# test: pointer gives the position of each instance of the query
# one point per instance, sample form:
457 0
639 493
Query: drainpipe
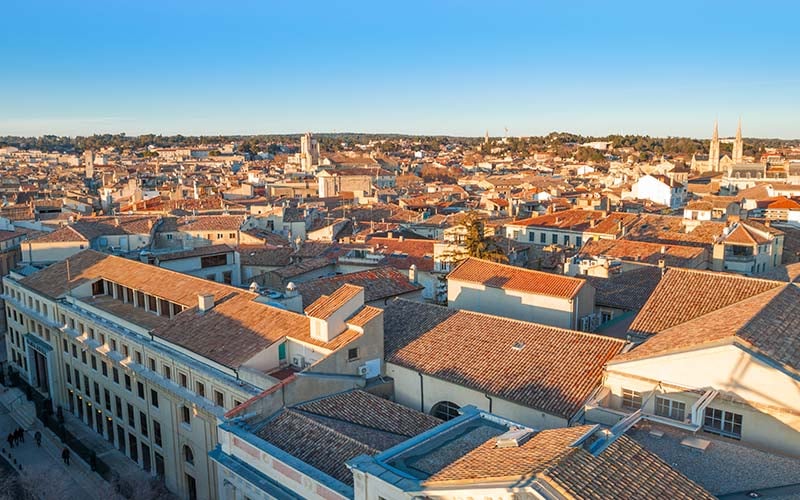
490 401
421 394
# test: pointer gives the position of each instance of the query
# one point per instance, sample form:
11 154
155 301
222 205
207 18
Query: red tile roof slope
684 294
507 277
547 368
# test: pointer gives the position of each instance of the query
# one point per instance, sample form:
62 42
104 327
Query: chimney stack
205 302
412 273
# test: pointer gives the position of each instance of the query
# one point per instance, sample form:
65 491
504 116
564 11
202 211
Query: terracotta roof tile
326 305
379 283
685 294
547 368
507 277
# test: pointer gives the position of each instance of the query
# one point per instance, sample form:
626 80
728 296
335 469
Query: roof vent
514 438
518 346
205 302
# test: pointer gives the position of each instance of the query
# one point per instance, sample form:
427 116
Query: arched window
188 455
445 410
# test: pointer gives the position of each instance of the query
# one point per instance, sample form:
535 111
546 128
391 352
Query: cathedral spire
713 150
738 144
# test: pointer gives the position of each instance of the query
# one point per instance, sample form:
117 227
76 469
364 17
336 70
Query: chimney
412 273
663 265
663 250
402 238
116 221
205 302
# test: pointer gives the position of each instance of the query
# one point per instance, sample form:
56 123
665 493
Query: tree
478 244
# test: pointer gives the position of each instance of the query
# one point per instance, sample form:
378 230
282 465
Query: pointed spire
739 130
738 144
716 131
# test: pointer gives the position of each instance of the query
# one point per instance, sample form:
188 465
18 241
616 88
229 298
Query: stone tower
713 150
738 145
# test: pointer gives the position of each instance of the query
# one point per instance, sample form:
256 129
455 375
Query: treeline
329 142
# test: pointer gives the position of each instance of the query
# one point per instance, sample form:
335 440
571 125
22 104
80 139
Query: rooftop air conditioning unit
362 370
298 361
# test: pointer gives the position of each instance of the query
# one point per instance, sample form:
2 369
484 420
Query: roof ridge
302 415
504 318
676 270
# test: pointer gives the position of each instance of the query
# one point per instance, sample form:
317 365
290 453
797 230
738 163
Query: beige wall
544 309
407 392
770 398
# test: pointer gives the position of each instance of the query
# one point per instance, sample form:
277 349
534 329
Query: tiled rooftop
507 277
542 367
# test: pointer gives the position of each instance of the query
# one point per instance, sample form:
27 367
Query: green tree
478 244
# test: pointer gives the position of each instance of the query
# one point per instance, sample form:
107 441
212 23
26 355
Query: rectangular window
143 424
542 237
554 239
669 408
201 389
115 374
133 447
186 415
131 416
183 380
219 398
113 344
156 433
96 392
77 380
69 374
83 357
352 354
631 399
152 364
104 368
121 438
94 362
167 372
140 390
145 457
118 406
127 382
125 352
159 462
724 423
107 396
66 345
138 357
154 398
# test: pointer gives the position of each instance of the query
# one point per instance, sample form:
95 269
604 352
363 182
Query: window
107 396
113 344
185 415
104 368
167 372
183 380
554 239
131 416
154 398
133 448
445 410
670 408
145 457
66 345
143 424
96 392
102 339
115 375
138 357
219 398
94 362
69 374
566 240
213 260
152 363
352 354
140 390
188 455
156 433
159 460
191 486
724 423
125 352
127 382
118 405
201 389
236 403
83 356
631 399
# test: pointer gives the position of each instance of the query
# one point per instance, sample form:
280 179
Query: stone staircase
14 402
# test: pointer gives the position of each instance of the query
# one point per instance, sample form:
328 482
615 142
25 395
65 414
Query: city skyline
443 69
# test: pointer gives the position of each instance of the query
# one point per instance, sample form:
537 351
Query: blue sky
449 67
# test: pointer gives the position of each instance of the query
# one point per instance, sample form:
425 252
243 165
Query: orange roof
325 306
507 277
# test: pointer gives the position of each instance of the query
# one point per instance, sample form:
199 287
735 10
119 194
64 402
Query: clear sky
430 67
